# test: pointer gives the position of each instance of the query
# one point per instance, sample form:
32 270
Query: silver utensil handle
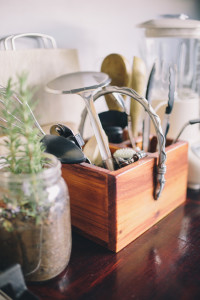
165 124
119 100
146 133
44 37
161 167
121 103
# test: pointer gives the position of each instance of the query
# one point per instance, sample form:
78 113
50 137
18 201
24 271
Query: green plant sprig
24 154
25 151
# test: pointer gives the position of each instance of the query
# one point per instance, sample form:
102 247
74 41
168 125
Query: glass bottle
35 225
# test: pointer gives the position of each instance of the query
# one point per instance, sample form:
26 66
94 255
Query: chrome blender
174 40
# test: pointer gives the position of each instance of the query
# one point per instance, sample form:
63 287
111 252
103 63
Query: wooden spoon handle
138 83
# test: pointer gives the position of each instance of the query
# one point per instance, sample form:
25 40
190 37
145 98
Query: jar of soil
35 225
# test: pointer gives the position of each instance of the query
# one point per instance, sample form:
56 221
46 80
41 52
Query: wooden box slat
88 198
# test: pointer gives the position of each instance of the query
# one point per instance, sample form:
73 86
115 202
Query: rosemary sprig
23 141
24 155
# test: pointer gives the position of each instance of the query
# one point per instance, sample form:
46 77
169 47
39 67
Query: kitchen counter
163 263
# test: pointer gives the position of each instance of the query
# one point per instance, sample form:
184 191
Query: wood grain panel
88 199
138 211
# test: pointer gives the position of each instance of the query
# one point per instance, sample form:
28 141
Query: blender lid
172 26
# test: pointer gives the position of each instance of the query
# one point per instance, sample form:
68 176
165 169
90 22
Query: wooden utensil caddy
113 208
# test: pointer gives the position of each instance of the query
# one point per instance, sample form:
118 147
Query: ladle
84 84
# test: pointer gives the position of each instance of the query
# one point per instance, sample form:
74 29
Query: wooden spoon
119 70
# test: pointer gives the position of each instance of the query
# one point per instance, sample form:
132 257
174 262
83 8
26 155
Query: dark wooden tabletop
163 263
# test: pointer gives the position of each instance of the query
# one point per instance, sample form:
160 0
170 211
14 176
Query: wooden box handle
161 167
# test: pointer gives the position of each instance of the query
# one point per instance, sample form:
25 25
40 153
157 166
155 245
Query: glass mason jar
35 225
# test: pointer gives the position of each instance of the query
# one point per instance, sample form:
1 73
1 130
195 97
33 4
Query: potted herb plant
35 227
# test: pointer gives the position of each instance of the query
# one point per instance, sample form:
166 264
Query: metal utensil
146 124
170 104
161 168
119 98
84 84
190 122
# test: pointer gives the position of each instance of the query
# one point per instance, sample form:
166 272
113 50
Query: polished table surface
163 263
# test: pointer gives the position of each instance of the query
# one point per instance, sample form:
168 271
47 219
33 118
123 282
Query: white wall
95 28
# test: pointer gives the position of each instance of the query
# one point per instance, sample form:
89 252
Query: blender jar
174 40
